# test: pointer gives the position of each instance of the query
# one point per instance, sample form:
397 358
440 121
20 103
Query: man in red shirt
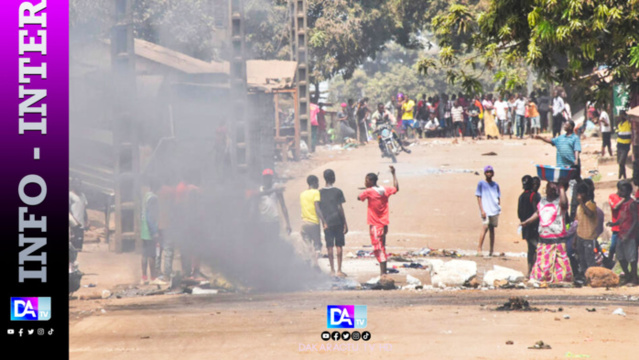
378 214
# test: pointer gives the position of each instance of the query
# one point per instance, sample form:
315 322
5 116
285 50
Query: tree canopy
564 41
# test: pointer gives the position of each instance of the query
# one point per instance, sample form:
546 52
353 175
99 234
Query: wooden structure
126 149
240 145
299 43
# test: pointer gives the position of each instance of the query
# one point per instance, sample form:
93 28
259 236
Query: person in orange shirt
533 114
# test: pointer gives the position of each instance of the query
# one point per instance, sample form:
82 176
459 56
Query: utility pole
125 142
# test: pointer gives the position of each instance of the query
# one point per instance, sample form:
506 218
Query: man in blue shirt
568 146
488 199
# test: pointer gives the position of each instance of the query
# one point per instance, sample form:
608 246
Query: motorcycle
389 141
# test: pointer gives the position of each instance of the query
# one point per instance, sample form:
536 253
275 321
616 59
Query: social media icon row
21 332
345 336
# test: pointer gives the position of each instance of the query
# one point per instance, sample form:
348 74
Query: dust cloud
181 123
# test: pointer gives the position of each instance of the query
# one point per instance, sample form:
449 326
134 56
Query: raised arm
539 137
563 199
395 183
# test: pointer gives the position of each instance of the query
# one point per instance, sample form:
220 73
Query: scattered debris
619 311
350 255
492 153
383 283
199 291
414 265
392 271
106 294
501 274
454 273
472 283
516 303
145 337
540 345
509 342
601 277
591 310
412 283
566 316
571 355
90 286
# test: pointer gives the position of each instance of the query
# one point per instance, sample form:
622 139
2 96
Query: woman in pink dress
552 264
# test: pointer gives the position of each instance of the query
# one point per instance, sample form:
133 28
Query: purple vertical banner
34 138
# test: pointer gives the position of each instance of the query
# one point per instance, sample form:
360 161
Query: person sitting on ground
552 264
627 245
527 206
333 220
432 126
309 204
378 212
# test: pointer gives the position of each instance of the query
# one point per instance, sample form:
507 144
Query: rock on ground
454 273
601 277
501 273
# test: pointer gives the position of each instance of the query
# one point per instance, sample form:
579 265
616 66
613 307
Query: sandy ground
435 208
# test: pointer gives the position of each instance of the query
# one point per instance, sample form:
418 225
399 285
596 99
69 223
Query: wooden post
276 98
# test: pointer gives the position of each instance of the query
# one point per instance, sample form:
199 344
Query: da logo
346 316
30 308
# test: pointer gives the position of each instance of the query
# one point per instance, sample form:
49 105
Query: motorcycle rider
383 116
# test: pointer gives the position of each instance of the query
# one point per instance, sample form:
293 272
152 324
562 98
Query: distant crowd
457 115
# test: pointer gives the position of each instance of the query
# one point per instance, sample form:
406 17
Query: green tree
564 41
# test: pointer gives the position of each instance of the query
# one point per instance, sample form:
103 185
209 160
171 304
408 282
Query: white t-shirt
77 206
501 107
432 124
458 113
604 127
520 107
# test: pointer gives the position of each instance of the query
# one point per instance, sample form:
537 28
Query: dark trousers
586 254
622 157
557 123
78 238
532 250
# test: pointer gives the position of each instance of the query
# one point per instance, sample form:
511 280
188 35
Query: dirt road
436 207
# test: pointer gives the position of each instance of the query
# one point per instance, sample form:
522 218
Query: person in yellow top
624 137
408 115
311 215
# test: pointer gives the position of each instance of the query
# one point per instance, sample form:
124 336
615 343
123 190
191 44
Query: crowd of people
456 115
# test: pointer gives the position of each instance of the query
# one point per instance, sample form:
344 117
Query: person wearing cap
489 201
345 130
270 199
